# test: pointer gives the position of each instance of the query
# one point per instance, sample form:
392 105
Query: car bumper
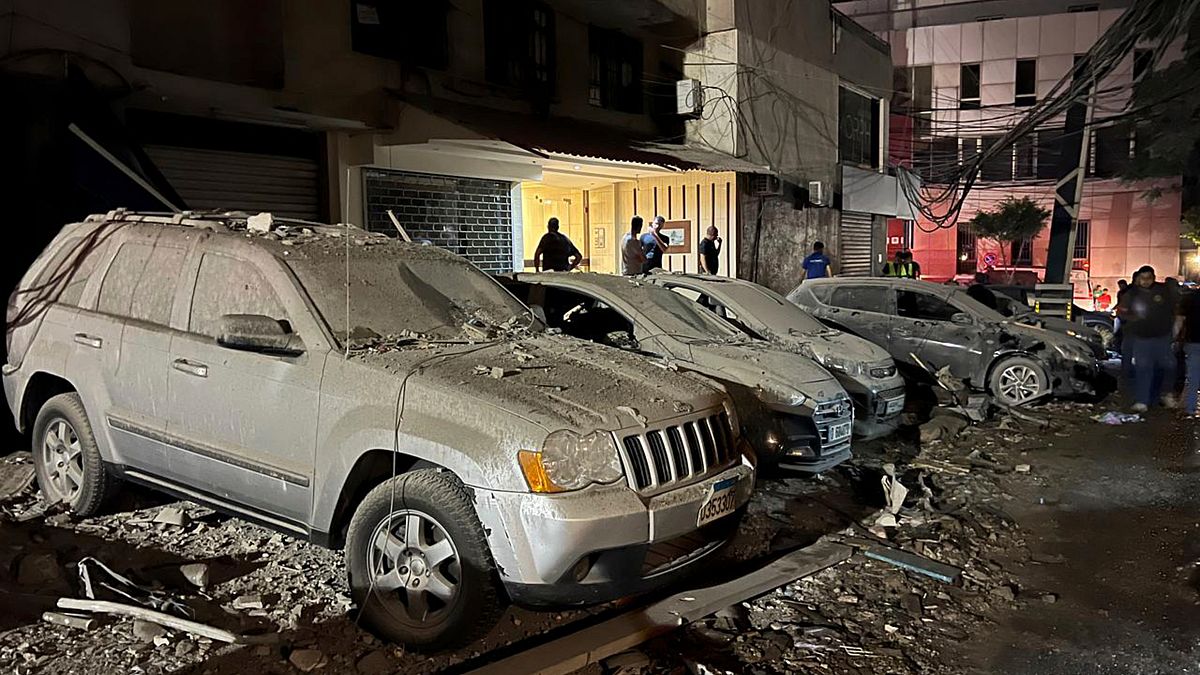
1076 379
877 405
605 542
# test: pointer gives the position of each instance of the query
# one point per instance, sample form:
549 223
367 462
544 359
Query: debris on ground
1113 418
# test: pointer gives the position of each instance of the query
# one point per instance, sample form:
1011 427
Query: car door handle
89 340
190 367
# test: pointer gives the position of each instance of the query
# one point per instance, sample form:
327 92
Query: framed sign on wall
679 232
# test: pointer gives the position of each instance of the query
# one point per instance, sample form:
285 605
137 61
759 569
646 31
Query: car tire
452 600
1018 380
66 459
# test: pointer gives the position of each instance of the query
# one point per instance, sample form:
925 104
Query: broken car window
229 286
397 288
140 283
914 305
861 298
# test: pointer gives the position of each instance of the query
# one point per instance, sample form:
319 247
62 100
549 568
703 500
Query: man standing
633 258
816 265
654 244
898 267
914 267
1187 329
1147 313
555 251
710 251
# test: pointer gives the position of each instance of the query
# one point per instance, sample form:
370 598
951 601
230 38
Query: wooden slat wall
702 197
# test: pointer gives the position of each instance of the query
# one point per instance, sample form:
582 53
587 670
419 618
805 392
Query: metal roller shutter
221 179
854 236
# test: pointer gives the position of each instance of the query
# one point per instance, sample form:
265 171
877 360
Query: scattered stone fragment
260 222
147 631
15 479
248 602
1049 598
171 515
308 660
1004 592
196 574
374 663
184 648
1022 468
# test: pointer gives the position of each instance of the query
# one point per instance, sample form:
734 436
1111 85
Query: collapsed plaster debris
260 223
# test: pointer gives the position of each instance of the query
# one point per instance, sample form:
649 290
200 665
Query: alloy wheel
62 457
414 560
1019 383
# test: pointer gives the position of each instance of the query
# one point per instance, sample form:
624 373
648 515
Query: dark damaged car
398 403
793 412
931 326
864 369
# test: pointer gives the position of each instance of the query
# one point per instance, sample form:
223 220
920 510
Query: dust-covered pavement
1078 545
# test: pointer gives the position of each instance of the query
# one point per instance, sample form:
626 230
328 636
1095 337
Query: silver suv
360 392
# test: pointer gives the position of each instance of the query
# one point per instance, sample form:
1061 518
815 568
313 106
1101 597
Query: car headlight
788 398
841 365
568 461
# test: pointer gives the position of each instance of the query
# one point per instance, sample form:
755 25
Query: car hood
1049 336
760 365
819 345
554 381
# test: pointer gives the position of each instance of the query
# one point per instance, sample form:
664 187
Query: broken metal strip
91 143
595 643
166 620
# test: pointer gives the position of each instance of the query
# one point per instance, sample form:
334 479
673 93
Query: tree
1013 220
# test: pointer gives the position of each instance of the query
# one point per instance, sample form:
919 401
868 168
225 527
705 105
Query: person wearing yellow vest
902 267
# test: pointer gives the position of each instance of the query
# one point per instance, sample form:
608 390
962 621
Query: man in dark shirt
655 243
1147 311
710 251
1187 329
555 252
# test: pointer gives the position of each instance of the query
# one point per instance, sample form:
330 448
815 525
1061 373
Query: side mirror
962 319
257 333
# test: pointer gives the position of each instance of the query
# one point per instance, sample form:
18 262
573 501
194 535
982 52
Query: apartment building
964 72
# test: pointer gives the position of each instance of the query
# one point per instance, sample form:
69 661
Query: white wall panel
1000 39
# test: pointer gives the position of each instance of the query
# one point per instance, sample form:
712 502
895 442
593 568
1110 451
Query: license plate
722 500
894 406
840 431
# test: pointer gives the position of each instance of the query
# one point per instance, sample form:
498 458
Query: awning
873 192
571 138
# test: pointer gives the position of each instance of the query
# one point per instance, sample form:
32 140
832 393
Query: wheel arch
370 469
41 387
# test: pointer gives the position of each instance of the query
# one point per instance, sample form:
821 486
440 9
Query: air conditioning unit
816 193
689 97
766 184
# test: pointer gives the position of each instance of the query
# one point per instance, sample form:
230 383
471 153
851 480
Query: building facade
469 123
964 74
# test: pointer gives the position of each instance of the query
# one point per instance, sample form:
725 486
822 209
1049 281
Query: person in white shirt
633 256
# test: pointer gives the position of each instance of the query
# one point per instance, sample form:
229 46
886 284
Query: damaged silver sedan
793 411
930 327
396 402
865 370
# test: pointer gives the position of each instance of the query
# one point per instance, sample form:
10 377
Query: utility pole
1068 191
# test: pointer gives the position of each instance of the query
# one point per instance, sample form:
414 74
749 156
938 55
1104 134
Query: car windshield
671 313
764 306
399 289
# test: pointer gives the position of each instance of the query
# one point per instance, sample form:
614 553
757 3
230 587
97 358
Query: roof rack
219 221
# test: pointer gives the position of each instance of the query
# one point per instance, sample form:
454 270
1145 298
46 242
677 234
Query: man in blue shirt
817 265
654 244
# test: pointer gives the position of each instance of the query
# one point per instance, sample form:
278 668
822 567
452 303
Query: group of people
640 252
1157 320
